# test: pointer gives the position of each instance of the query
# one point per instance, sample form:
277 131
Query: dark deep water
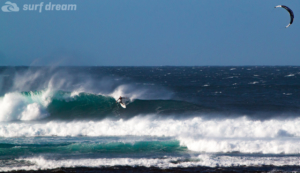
196 118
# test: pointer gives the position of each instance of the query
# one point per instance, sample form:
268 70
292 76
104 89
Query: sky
150 33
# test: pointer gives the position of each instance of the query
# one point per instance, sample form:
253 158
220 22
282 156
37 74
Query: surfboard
123 105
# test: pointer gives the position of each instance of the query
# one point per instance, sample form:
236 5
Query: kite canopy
290 11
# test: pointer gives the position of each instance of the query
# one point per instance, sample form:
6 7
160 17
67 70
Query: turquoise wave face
81 106
8 150
63 106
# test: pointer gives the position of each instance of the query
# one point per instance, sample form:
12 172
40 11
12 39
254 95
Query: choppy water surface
176 117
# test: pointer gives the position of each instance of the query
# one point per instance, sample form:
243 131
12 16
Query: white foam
33 112
41 163
15 106
255 82
290 75
217 135
133 93
77 92
229 161
264 146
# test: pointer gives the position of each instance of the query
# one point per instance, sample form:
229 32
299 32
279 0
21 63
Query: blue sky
151 33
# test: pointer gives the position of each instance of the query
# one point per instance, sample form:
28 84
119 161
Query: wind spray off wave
177 117
46 93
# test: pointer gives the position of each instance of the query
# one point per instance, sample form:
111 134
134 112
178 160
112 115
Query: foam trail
41 163
265 146
228 135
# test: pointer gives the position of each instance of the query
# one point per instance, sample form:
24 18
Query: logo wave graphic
10 7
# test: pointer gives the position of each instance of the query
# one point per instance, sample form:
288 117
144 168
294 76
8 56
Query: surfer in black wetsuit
120 98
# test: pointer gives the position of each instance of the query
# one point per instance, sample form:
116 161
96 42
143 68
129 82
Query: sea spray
60 105
177 117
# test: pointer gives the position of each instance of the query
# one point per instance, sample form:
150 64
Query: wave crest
69 106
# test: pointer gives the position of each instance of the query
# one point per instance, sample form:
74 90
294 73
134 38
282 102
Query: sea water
176 117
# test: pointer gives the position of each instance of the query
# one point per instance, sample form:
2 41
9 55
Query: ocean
207 118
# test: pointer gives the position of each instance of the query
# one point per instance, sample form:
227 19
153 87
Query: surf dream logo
50 7
10 7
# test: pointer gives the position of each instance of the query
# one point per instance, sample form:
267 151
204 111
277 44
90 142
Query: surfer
121 102
120 98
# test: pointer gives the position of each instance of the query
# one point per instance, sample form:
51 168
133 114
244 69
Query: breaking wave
62 105
197 134
52 120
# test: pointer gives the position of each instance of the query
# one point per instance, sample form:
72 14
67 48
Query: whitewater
229 135
176 117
